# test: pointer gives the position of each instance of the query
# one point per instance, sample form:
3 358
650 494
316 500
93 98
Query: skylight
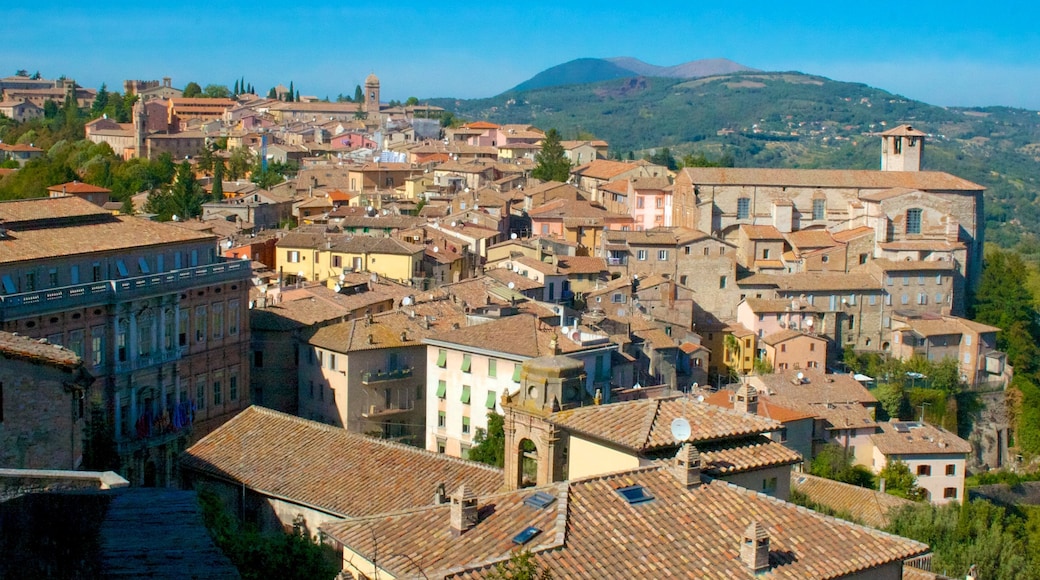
540 500
526 535
635 494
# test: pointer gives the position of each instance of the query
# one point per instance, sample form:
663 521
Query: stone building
155 314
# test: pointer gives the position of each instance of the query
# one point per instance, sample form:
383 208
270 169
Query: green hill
791 119
576 72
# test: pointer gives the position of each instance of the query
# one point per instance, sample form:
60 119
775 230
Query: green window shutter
467 363
492 368
465 424
442 358
516 373
465 394
442 389
490 404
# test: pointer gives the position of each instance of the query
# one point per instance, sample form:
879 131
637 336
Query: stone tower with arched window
372 94
902 149
547 385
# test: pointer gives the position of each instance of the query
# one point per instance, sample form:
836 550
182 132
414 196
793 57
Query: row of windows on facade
147 331
400 398
205 390
467 365
819 213
56 278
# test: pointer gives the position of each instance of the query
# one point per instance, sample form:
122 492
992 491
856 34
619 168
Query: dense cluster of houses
430 282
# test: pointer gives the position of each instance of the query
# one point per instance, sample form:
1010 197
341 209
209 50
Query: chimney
686 466
746 400
404 336
440 495
754 549
371 340
463 510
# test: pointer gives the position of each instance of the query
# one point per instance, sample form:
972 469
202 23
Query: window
76 339
442 389
30 282
706 250
938 280
659 201
617 298
218 388
951 469
442 419
852 322
467 363
200 323
233 385
812 347
639 202
465 425
906 280
516 372
863 258
967 358
96 271
769 485
492 368
492 397
783 348
922 298
200 392
121 337
743 208
337 261
466 393
950 493
142 263
662 255
904 299
872 300
97 345
233 317
52 278
967 340
332 361
442 446
924 470
682 279
182 319
819 207
442 358
765 253
722 281
913 221
258 359
294 256
218 320
641 255
121 267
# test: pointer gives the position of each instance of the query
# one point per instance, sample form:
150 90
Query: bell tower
372 94
902 149
140 129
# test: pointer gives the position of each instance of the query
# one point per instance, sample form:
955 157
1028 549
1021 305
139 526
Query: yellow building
308 256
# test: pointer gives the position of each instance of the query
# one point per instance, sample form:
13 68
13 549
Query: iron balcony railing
25 304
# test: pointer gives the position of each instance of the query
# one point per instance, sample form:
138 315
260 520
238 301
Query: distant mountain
694 69
592 70
787 119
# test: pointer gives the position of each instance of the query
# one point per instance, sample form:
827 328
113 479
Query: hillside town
658 352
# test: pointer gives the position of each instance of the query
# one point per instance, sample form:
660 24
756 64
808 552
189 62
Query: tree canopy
551 164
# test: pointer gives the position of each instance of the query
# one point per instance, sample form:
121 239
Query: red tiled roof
77 187
591 531
329 468
844 178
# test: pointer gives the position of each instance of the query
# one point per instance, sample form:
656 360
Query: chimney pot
754 549
687 466
463 510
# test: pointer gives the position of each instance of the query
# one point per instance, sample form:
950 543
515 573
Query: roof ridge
655 411
361 436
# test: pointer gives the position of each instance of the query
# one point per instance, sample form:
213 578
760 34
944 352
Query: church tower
140 129
902 149
372 94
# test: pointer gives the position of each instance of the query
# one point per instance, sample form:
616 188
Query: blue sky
944 53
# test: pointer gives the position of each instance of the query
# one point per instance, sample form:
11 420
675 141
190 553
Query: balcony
15 306
148 360
617 261
383 412
155 429
372 377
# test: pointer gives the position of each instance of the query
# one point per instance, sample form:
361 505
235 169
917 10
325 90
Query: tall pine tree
551 162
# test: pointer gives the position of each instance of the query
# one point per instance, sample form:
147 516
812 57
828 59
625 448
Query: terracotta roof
332 469
944 326
651 183
386 328
318 304
761 232
808 239
904 130
582 265
520 283
98 233
847 235
591 531
604 169
645 424
815 281
843 178
766 408
816 387
788 334
519 335
13 346
916 438
866 506
739 455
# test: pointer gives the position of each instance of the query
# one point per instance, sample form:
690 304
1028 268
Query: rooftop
842 178
329 468
917 438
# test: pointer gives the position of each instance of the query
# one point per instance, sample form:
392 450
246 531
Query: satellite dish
801 376
342 277
565 330
299 274
512 236
453 224
436 249
809 322
681 429
637 386
695 385
511 285
700 398
337 287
